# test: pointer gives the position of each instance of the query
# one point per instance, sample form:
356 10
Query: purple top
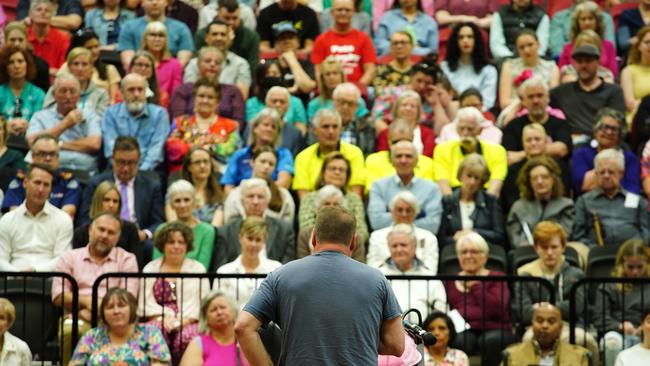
477 8
231 105
607 56
485 306
170 74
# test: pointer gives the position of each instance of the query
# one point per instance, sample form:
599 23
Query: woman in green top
181 195
19 98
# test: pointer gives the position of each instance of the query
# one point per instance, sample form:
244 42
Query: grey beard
135 107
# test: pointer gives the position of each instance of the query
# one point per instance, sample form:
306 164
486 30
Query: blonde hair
158 27
255 226
330 64
78 51
98 197
9 310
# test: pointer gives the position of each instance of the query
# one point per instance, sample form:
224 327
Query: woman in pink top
588 15
169 70
216 344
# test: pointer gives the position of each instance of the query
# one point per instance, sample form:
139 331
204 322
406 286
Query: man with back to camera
301 296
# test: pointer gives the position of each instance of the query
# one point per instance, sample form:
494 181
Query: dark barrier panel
614 307
37 319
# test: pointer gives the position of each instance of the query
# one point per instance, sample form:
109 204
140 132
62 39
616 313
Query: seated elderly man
380 165
327 128
293 131
404 159
419 294
489 132
449 154
65 192
34 235
535 98
355 130
148 123
545 347
79 131
404 208
609 214
255 197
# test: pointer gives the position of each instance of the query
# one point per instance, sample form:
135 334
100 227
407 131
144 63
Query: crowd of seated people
204 136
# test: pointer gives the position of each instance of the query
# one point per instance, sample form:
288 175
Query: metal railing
38 321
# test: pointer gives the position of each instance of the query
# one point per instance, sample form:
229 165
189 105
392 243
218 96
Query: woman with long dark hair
466 65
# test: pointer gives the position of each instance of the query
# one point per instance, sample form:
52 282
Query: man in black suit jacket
281 243
143 203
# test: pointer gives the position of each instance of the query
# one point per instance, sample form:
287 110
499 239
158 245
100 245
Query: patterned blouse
454 357
145 346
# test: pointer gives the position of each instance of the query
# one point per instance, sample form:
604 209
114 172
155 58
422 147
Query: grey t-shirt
330 308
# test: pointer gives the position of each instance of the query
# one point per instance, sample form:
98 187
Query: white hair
406 229
346 87
279 89
472 113
329 191
534 80
407 197
614 155
251 183
326 113
65 76
475 240
179 187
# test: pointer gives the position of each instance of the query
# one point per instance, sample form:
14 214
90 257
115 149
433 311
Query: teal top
203 245
295 114
31 98
317 104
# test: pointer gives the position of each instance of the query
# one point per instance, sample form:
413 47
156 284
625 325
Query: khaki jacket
525 353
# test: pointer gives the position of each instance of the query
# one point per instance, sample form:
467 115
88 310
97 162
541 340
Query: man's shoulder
350 151
133 24
96 179
308 153
175 25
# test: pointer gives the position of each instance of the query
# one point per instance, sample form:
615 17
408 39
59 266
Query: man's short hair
470 92
469 112
126 77
614 155
326 113
534 80
230 5
346 87
248 184
109 214
35 3
280 89
403 143
335 225
34 166
65 76
216 22
126 143
405 229
45 136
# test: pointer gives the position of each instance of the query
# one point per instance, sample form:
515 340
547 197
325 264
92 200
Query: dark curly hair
479 54
167 230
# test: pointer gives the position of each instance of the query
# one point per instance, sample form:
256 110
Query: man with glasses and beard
148 123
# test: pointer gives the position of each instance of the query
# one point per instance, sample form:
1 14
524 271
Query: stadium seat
497 260
601 260
523 255
36 316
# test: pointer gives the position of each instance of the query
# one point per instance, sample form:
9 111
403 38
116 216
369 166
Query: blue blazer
148 200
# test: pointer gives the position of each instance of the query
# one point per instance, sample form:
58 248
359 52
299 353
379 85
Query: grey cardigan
560 210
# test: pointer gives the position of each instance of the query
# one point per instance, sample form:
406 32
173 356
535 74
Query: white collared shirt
35 241
15 351
242 289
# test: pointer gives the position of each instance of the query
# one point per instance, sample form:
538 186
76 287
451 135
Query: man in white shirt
34 235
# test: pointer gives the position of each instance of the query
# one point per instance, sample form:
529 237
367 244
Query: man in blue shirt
404 158
148 123
179 37
66 191
79 131
326 288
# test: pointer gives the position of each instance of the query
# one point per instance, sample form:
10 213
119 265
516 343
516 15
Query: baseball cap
586 50
284 27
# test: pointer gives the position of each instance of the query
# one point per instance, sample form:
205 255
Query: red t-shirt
54 47
352 49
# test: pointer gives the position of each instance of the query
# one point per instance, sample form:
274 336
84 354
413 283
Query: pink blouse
170 74
607 56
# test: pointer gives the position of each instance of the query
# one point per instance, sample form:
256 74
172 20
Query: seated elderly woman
181 197
253 234
609 131
334 171
398 70
14 351
542 198
216 343
204 128
485 305
265 130
281 244
440 353
107 198
423 295
281 203
199 170
619 306
404 208
469 208
550 242
328 195
120 339
168 304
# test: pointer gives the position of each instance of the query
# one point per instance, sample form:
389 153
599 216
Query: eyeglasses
608 128
45 154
